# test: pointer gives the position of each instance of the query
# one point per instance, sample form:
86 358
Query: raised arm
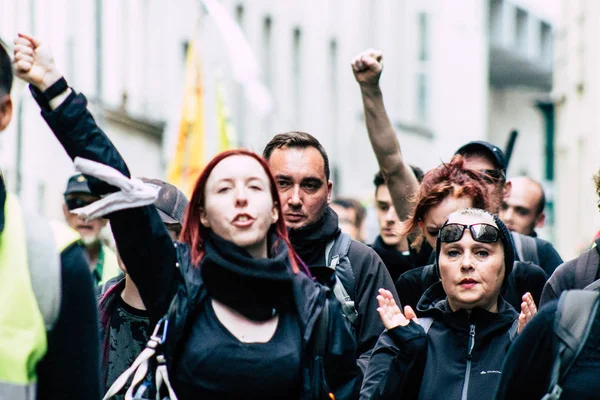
143 242
401 181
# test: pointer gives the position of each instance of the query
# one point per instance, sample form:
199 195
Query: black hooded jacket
459 357
163 270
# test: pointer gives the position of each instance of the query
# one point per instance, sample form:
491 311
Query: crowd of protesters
261 285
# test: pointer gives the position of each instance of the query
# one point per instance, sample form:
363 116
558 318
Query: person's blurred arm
400 179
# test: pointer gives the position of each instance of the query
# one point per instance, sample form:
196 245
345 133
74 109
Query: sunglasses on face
76 202
492 176
483 233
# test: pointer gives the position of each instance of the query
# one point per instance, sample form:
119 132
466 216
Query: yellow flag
186 165
227 136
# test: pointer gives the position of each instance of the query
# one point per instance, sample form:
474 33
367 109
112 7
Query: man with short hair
351 215
102 260
392 245
523 210
124 321
301 169
59 360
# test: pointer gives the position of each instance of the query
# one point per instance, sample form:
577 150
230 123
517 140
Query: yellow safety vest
22 331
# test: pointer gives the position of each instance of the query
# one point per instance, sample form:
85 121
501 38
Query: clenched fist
367 67
34 62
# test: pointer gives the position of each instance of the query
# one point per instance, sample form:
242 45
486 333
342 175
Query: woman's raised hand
528 310
390 313
34 62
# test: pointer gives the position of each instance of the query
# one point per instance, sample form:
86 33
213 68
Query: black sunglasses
76 202
492 176
483 233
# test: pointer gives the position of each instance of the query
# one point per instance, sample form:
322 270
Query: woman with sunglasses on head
455 350
445 189
245 320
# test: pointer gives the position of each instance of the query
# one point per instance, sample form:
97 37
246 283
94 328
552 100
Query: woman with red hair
445 189
244 319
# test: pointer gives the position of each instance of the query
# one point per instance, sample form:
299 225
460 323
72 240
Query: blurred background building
454 71
576 93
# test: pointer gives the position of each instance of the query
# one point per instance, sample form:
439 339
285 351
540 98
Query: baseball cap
481 146
77 184
171 202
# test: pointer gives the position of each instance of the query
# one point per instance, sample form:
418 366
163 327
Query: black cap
77 184
481 146
171 202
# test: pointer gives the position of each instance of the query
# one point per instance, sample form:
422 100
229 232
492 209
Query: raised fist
34 62
367 67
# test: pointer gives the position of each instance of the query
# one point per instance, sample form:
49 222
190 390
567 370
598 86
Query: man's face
303 188
389 223
347 221
499 189
89 231
520 211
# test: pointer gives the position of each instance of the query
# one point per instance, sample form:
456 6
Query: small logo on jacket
490 372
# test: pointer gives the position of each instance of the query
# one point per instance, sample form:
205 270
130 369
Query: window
546 43
521 31
239 15
266 56
422 108
297 75
423 35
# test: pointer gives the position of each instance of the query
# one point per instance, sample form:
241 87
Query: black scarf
396 262
310 241
257 288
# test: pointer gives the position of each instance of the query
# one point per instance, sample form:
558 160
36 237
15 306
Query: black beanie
507 246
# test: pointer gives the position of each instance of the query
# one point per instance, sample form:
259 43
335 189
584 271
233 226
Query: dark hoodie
459 357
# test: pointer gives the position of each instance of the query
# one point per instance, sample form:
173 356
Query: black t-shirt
397 262
216 365
129 332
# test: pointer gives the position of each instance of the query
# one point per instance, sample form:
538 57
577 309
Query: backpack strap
572 325
586 268
526 248
512 332
336 255
43 257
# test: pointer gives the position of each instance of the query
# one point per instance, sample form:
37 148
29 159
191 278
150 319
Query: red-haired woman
245 322
444 190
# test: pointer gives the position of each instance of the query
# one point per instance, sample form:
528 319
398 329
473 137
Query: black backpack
572 325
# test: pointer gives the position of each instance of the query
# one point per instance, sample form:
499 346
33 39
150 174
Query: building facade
446 79
576 93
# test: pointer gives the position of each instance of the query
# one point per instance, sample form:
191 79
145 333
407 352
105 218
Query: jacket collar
434 304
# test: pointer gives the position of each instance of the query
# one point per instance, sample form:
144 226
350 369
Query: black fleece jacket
460 355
